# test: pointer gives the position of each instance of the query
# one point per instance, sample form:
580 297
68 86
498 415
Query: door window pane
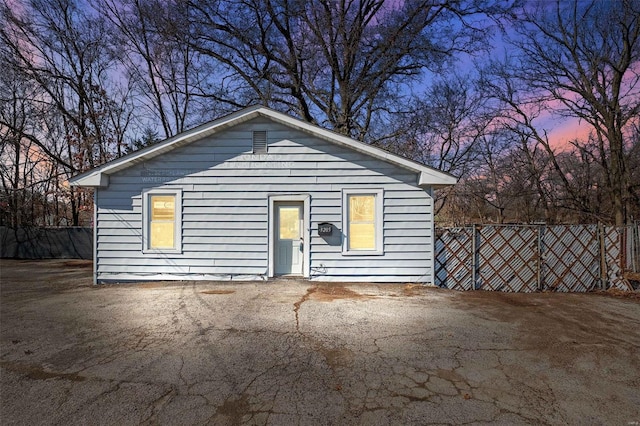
289 223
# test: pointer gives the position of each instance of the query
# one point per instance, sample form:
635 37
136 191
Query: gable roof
99 176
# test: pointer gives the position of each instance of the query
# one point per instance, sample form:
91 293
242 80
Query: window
362 221
260 142
162 221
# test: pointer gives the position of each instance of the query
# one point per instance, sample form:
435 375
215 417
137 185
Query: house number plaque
325 229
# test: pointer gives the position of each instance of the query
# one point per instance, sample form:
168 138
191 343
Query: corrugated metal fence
528 258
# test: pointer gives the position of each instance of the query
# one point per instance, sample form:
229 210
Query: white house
258 194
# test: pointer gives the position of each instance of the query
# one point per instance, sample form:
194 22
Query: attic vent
260 142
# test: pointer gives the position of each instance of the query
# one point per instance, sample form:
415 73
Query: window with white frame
362 221
162 221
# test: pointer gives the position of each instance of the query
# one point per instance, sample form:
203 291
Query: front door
288 238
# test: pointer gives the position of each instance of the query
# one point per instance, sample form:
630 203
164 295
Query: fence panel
571 256
46 243
613 258
454 261
522 258
632 248
508 258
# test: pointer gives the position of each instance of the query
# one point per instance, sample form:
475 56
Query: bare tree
13 150
576 59
59 47
634 167
166 76
444 128
341 63
28 168
506 183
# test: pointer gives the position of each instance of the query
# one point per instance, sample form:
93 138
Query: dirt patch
413 289
337 357
37 373
296 306
500 301
41 277
620 294
235 409
218 292
329 293
77 263
516 299
152 284
558 327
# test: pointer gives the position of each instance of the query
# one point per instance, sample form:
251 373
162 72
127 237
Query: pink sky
567 130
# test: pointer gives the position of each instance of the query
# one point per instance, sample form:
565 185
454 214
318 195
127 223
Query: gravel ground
294 352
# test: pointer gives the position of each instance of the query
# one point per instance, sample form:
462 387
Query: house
258 194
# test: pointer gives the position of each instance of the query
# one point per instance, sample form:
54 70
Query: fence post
539 266
623 248
474 263
635 246
603 255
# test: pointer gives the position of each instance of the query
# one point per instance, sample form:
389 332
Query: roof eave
441 180
95 179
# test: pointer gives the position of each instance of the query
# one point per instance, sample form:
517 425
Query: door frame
305 231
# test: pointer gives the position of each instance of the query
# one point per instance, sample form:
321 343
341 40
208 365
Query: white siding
225 210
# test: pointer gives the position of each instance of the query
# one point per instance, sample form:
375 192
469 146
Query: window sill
161 251
363 253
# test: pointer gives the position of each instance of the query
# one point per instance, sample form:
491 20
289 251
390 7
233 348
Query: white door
288 238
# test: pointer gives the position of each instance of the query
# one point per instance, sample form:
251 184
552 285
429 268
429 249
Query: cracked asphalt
293 352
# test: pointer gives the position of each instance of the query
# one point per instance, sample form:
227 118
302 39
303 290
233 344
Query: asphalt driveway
292 352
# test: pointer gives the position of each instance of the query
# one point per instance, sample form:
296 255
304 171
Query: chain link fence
528 258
